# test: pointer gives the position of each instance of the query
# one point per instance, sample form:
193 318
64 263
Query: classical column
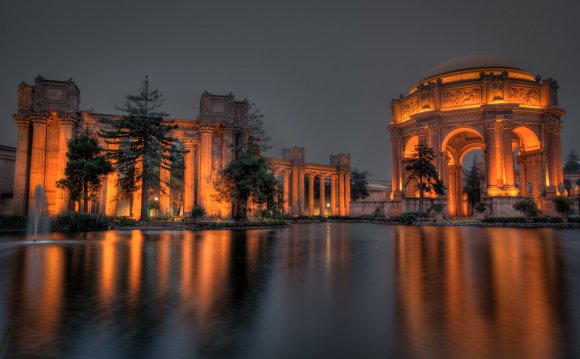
435 144
21 166
347 193
508 155
301 190
395 163
66 131
333 204
112 188
188 176
341 193
451 200
136 207
523 166
38 155
285 197
165 193
554 151
459 189
322 196
295 205
492 161
311 194
205 185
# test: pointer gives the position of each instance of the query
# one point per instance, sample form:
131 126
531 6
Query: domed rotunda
480 103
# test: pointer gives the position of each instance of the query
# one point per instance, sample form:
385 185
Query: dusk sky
324 72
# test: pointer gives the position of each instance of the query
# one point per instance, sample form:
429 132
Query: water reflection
308 291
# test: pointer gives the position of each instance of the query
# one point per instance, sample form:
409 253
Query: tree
141 143
422 170
247 180
359 184
197 213
176 181
572 163
85 167
472 183
563 205
527 206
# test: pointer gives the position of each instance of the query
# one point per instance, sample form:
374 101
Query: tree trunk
85 198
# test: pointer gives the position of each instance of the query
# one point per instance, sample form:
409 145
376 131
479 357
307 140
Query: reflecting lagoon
330 290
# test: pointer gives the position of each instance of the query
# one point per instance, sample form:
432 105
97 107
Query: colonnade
336 203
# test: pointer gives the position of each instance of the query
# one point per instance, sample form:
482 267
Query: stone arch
411 146
452 133
528 138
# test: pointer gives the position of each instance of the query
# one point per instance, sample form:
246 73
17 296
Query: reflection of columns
347 193
341 206
66 128
301 190
333 207
112 188
38 156
205 186
311 194
20 168
286 178
295 205
188 176
322 195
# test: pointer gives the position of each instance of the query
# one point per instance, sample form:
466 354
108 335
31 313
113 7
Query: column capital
67 119
553 125
206 127
21 120
189 143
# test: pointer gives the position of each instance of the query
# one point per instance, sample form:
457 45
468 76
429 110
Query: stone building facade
49 115
480 103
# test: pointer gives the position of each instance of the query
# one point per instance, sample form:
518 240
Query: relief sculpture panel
461 97
408 108
524 96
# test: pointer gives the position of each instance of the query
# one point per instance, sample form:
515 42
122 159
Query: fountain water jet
38 218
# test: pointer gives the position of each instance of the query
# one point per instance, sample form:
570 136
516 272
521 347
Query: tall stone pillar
347 193
301 190
395 163
66 132
311 194
553 127
136 207
493 152
333 202
20 199
523 167
452 193
286 190
38 155
435 144
112 189
508 155
295 205
188 176
322 195
165 195
341 206
205 185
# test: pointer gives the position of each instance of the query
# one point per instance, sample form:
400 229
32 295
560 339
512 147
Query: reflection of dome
469 63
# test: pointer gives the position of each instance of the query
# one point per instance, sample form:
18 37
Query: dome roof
470 62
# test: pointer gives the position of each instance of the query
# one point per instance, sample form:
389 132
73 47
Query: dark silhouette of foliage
572 163
472 183
527 206
422 170
359 184
86 164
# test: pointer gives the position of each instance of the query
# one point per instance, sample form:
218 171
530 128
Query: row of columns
293 194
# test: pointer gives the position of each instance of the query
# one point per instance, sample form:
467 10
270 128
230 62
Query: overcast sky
324 72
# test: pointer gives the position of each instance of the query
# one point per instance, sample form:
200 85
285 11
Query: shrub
504 220
12 222
407 218
124 221
573 219
563 205
81 222
480 207
527 206
437 207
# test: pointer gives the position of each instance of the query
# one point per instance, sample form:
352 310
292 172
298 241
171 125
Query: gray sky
324 72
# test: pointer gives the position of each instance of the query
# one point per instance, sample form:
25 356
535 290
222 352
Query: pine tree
472 183
572 163
141 143
422 170
86 164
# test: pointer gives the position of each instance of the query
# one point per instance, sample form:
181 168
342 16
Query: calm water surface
308 291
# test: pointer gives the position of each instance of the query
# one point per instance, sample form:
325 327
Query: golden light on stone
480 103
